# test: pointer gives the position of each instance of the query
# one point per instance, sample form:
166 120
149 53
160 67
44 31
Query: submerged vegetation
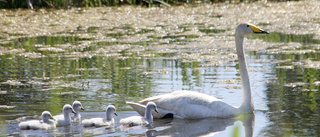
13 4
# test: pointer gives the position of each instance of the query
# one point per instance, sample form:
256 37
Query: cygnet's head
67 108
77 105
152 106
111 109
46 115
245 29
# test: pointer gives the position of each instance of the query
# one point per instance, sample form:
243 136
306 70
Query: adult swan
194 105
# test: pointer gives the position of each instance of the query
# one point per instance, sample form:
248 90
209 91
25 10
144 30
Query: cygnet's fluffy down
139 120
64 119
45 123
76 105
99 122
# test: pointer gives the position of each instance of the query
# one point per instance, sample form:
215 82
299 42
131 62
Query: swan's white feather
45 123
195 105
36 125
140 108
61 120
139 120
97 122
187 104
64 119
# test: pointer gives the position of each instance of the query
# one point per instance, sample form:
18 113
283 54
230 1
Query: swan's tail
141 110
137 107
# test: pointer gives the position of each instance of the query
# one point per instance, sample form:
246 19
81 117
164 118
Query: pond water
103 56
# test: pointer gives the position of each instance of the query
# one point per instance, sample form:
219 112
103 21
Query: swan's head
46 115
77 105
68 109
111 109
152 106
245 29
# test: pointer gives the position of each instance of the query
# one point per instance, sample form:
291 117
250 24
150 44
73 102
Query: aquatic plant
66 4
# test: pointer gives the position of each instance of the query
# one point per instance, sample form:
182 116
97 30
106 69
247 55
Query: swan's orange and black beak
255 29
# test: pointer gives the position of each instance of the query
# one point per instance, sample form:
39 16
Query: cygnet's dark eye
247 25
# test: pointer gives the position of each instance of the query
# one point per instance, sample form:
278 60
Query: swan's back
192 105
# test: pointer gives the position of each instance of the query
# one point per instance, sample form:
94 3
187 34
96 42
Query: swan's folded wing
164 96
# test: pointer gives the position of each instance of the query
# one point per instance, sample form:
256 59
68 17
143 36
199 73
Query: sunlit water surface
103 56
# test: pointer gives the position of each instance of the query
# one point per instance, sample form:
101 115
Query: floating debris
155 72
316 83
6 107
295 84
233 87
285 67
87 69
64 93
228 82
52 49
13 82
126 68
31 55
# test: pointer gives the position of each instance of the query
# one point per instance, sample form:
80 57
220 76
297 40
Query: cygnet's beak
74 112
52 118
156 110
115 113
82 108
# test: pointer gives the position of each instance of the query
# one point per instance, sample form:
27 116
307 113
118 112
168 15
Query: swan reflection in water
202 127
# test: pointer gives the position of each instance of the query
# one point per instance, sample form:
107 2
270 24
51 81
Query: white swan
64 119
76 105
99 122
138 120
45 123
194 105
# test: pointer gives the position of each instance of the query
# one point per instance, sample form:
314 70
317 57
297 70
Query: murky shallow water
104 56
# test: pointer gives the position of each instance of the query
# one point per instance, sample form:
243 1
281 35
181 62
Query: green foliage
13 4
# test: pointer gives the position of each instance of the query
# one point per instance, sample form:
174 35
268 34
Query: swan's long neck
148 114
247 105
77 113
66 115
108 116
45 120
